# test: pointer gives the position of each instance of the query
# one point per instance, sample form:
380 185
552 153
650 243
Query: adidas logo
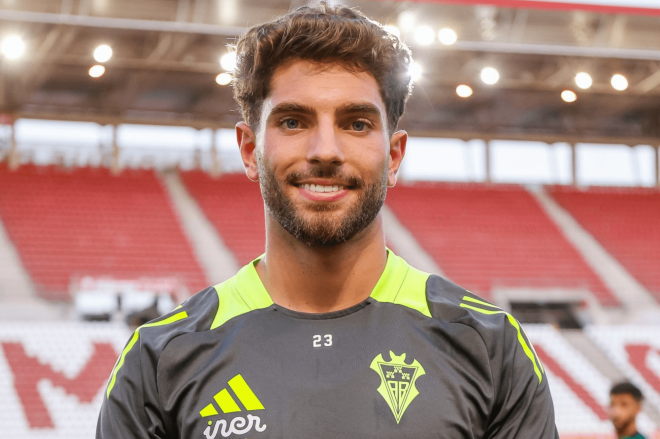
227 404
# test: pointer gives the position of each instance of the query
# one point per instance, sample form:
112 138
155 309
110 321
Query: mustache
349 180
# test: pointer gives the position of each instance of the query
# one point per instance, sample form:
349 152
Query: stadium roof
166 58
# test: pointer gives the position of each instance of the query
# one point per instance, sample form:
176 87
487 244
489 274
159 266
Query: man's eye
359 125
292 124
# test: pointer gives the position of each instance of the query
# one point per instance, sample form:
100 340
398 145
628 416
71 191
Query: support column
115 151
657 166
574 164
14 157
216 163
488 162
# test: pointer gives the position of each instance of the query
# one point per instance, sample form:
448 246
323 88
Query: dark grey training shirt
420 358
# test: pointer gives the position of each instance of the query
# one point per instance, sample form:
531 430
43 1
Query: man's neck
321 279
628 431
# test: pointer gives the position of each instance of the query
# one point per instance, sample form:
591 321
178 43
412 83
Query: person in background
625 404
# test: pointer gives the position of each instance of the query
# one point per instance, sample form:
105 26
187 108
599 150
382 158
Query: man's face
323 154
623 410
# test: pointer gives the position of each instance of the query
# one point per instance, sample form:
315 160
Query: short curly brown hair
327 34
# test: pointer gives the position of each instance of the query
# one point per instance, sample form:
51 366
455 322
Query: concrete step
583 344
15 282
406 245
625 287
215 258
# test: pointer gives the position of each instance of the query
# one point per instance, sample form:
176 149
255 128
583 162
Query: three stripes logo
227 404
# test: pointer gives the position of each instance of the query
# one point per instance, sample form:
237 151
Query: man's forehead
622 397
322 86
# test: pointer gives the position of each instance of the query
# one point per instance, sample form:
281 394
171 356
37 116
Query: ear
247 144
397 151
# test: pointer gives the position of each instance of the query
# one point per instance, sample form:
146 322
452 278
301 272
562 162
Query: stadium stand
234 206
486 236
68 223
625 222
53 377
580 392
636 351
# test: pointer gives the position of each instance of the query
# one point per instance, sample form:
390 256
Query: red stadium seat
625 222
234 206
486 236
86 221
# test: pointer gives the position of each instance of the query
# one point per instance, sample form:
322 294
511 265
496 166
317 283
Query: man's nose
325 146
612 413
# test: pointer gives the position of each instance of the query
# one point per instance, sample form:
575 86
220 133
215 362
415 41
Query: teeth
321 188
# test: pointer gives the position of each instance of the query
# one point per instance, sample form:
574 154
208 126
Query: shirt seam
490 368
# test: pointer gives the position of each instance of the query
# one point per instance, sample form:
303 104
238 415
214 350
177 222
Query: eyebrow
291 107
350 108
362 108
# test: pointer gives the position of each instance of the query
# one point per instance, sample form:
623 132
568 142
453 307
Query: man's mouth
323 192
322 188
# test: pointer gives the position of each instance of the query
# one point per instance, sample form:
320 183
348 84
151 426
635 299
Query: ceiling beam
556 50
650 82
223 30
119 23
56 42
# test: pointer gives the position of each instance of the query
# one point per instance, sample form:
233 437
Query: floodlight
424 35
228 61
447 36
407 21
223 78
490 75
103 53
96 71
415 71
464 91
619 82
390 28
583 80
12 47
568 96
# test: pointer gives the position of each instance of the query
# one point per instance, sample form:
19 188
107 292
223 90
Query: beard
324 228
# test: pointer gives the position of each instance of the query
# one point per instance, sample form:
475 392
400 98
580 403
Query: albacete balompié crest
397 384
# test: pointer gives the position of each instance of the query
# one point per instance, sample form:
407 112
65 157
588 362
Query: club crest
397 384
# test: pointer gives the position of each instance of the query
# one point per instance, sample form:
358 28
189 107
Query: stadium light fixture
583 80
103 53
407 21
464 91
223 78
619 82
447 36
415 71
12 47
490 75
392 29
96 71
568 96
228 61
424 35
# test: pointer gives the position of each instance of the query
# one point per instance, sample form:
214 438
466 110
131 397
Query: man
625 405
328 334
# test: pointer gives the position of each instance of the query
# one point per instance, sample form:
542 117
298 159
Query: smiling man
328 334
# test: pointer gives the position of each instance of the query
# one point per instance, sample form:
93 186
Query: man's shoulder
456 305
194 315
439 298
